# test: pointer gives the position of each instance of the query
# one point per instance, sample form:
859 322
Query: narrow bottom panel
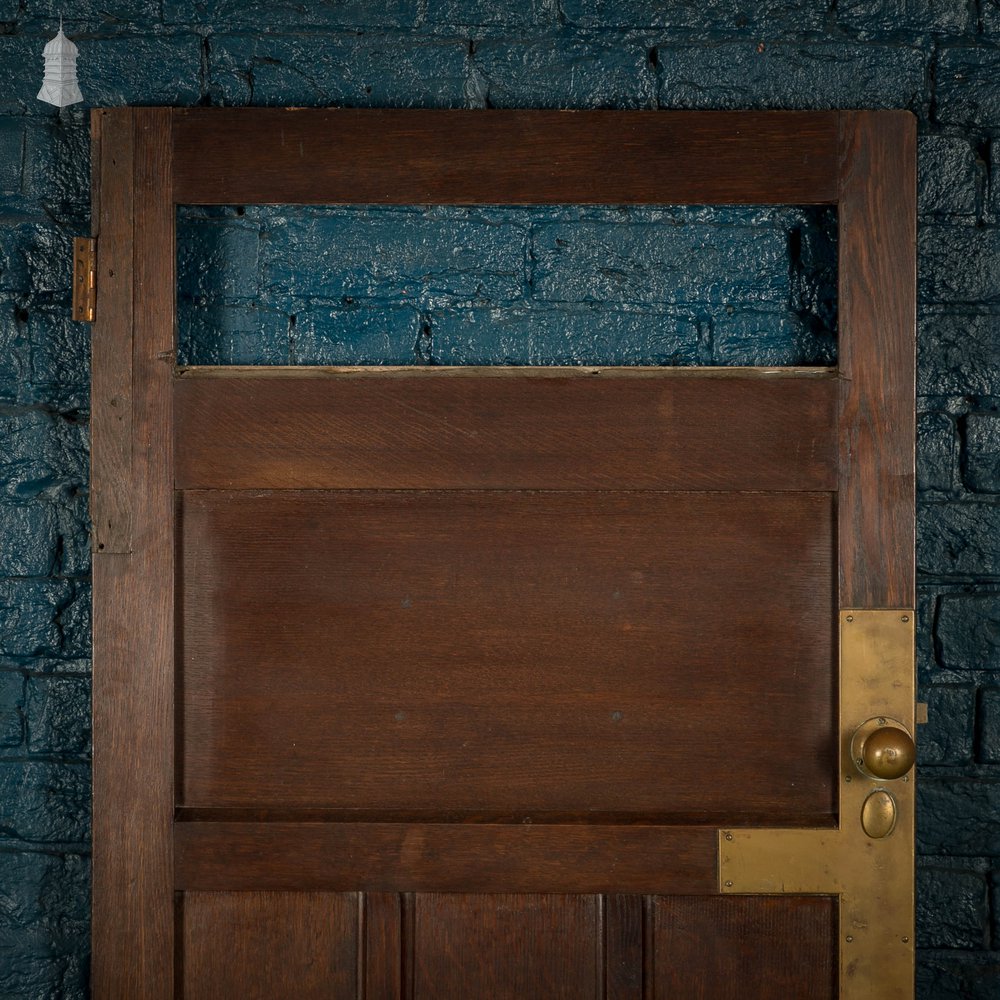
523 946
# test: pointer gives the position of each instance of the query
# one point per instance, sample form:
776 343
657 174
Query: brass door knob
882 748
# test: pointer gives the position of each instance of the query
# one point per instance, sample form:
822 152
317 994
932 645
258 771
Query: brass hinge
84 279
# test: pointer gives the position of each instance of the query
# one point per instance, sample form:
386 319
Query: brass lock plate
872 876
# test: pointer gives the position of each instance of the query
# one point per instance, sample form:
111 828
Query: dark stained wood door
502 683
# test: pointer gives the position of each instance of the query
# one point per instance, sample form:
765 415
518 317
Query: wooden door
513 683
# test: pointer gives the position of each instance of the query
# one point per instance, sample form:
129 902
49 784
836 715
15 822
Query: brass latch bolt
84 279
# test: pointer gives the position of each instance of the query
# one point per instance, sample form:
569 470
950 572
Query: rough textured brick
28 612
982 452
30 458
875 17
958 353
785 75
11 154
988 749
952 908
957 816
958 265
15 373
60 356
958 977
968 631
31 539
342 256
769 338
215 332
355 70
57 163
290 15
51 802
11 708
646 265
950 176
958 539
81 13
57 715
456 14
937 453
357 336
968 86
770 16
579 336
946 738
44 926
557 73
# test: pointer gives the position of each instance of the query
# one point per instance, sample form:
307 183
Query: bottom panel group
434 946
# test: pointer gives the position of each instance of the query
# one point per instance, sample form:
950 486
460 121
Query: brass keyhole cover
882 748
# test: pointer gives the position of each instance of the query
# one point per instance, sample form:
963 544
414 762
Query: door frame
146 161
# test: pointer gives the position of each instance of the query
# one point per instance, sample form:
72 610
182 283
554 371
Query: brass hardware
872 876
921 714
84 279
882 748
878 814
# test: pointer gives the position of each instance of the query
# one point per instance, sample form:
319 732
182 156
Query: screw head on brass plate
882 748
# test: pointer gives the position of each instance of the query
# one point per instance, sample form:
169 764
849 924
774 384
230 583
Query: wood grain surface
445 857
501 428
876 355
398 156
133 911
508 651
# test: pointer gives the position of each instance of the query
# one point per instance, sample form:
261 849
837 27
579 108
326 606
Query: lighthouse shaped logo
60 86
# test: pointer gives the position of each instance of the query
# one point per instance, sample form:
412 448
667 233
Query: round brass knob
886 751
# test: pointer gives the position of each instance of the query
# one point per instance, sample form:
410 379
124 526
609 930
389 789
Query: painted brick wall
677 286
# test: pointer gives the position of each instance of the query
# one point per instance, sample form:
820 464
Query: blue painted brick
968 631
11 154
457 14
82 14
957 265
73 520
57 712
775 337
355 69
877 17
937 453
982 452
957 976
35 259
12 687
950 176
15 349
581 335
140 69
31 539
357 336
31 457
217 257
958 539
28 611
968 86
560 72
403 257
952 908
769 16
959 353
51 802
291 16
946 738
988 748
57 160
44 925
785 75
956 816
60 356
214 332
651 264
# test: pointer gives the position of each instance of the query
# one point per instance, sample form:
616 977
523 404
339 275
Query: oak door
512 683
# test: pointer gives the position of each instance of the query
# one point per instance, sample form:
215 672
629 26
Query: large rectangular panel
745 947
245 155
506 428
444 857
270 945
526 652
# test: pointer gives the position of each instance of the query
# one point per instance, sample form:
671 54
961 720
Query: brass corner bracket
868 861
